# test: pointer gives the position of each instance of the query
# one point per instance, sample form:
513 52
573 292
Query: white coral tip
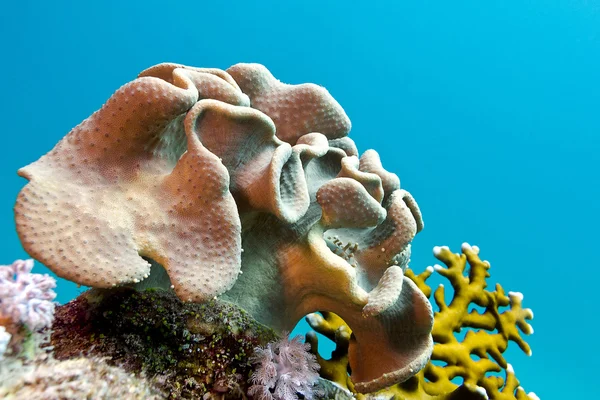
510 369
533 396
429 269
518 295
481 391
437 250
313 319
438 267
466 247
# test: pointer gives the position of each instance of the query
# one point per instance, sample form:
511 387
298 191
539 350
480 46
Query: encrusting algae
187 348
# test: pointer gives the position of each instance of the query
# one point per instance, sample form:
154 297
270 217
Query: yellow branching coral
474 358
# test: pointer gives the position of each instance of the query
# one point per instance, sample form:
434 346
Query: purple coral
284 369
26 298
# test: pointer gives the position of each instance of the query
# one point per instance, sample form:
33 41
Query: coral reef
121 343
472 358
76 379
187 350
184 167
26 310
27 368
151 345
283 370
26 298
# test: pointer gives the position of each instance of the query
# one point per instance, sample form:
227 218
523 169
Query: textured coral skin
118 186
188 166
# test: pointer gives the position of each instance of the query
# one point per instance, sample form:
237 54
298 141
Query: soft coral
284 369
26 298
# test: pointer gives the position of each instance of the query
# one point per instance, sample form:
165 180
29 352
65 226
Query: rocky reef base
184 350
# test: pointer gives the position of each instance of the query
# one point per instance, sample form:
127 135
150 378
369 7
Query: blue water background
487 110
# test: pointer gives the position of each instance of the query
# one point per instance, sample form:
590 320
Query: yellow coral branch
473 358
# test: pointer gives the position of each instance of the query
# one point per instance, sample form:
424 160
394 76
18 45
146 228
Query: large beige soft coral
184 167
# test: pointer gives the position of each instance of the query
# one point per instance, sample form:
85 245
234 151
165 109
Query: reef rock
185 350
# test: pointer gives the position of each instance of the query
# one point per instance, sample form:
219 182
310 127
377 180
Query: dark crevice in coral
158 278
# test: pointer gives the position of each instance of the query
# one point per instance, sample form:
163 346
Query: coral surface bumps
186 166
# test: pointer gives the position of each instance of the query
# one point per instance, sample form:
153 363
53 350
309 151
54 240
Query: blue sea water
487 110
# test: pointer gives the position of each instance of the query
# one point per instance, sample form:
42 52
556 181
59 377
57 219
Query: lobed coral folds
185 167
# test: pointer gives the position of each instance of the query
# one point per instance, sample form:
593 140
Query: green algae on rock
186 350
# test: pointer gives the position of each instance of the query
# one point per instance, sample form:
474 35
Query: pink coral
285 368
26 298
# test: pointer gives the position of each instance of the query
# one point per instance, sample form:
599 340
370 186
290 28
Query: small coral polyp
233 181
